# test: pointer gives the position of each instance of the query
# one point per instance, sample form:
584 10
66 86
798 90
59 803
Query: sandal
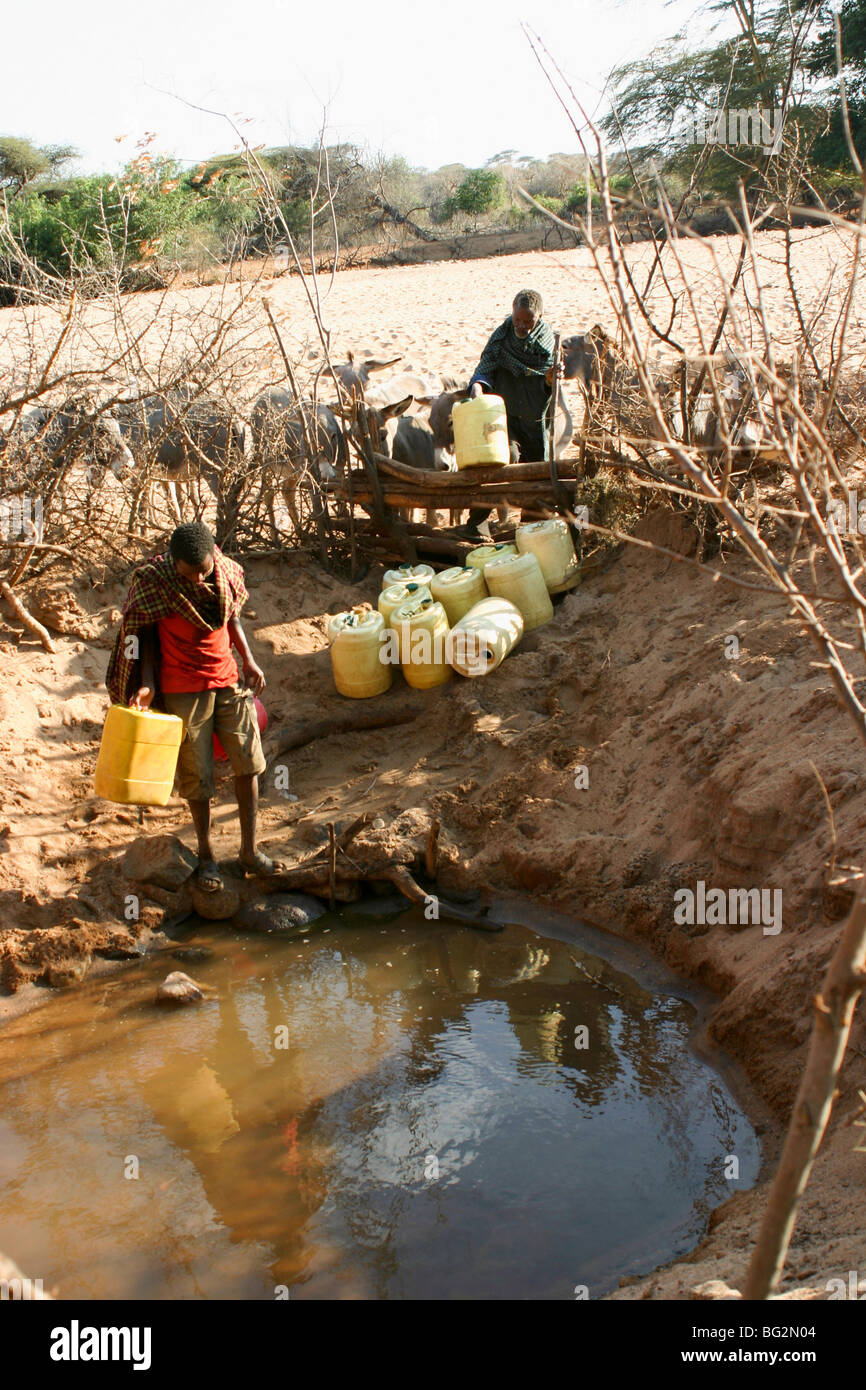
208 877
261 867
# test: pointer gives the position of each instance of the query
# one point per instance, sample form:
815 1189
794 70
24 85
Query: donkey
43 437
280 444
355 377
183 436
406 439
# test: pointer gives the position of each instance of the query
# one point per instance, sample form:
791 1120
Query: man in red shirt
180 621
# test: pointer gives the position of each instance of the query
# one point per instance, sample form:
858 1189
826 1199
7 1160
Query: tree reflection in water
433 1128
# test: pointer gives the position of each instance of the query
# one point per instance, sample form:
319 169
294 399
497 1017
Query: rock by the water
178 988
162 860
64 973
214 906
713 1290
119 950
280 912
192 953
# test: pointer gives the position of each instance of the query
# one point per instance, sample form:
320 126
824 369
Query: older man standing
518 365
180 622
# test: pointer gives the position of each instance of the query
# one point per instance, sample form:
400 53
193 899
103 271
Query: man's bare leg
208 875
247 793
250 858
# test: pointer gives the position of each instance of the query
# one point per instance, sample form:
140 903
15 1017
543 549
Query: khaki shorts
228 712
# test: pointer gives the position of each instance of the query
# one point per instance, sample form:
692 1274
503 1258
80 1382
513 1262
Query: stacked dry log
519 485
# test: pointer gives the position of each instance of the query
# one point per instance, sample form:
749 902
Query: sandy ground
700 767
436 316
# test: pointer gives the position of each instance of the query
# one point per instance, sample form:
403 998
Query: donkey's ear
597 332
377 364
397 408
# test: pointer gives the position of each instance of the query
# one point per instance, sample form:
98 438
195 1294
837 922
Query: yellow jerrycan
519 579
138 756
422 632
551 544
395 594
458 590
484 637
356 649
477 558
408 574
480 432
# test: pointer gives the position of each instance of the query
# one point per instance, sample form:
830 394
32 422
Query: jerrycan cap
413 608
356 617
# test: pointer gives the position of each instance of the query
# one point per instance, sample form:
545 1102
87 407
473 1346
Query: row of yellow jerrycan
465 619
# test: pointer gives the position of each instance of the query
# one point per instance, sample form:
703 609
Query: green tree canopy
821 63
481 191
21 161
773 56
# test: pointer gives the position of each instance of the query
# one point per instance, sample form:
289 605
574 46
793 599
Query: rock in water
280 912
162 860
214 906
178 988
192 953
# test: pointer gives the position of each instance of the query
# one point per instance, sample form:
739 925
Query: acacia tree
832 147
21 162
773 57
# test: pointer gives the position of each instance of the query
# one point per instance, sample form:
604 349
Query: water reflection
371 1110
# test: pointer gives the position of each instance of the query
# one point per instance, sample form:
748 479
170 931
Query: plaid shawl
523 357
158 591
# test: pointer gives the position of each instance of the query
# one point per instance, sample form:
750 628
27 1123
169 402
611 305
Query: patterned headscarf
529 356
158 591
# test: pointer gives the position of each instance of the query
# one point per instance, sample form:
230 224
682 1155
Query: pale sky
450 81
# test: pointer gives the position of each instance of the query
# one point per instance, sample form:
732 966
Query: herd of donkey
177 439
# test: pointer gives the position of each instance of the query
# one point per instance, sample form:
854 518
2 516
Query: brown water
431 1130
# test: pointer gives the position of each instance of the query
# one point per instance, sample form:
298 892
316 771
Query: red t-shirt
194 659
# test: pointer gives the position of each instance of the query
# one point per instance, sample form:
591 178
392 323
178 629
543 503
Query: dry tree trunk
834 1011
26 618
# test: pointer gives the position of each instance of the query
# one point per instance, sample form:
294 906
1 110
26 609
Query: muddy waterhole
374 1107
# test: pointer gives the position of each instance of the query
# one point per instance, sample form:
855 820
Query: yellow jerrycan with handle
551 544
478 557
480 432
138 756
482 639
408 574
458 590
519 579
395 594
356 653
422 631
